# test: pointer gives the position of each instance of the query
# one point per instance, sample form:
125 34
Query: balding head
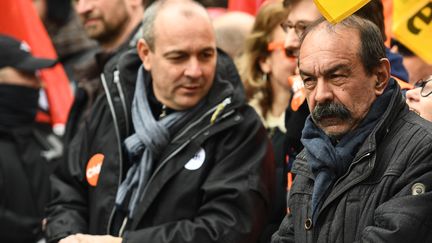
179 50
164 11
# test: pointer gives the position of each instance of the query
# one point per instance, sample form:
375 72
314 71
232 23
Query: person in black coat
364 174
172 152
25 146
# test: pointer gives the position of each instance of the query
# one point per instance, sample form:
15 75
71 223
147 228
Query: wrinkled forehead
324 45
328 37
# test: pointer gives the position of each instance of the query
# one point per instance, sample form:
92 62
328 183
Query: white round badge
197 160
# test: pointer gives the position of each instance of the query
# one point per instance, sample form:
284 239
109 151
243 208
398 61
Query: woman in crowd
265 70
419 99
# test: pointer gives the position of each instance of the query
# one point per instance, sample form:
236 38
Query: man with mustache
114 24
365 174
301 14
195 165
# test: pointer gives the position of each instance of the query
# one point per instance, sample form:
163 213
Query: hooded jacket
212 183
385 196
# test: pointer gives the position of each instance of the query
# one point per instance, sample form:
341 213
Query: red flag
248 6
18 18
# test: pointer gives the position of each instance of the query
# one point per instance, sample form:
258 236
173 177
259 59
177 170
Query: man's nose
323 92
413 95
83 6
193 69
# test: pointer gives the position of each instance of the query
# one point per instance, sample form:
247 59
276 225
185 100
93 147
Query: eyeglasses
275 45
426 87
299 27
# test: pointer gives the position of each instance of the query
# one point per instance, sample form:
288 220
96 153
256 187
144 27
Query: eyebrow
343 67
173 52
180 52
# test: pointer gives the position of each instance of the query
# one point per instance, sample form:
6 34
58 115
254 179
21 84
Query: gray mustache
330 109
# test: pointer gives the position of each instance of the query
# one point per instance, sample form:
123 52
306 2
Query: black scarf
18 105
329 162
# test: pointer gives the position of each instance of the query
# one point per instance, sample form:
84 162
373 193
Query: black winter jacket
26 160
386 195
226 199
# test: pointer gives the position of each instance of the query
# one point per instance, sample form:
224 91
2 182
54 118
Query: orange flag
19 19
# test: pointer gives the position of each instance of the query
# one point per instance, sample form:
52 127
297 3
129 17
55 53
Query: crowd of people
189 127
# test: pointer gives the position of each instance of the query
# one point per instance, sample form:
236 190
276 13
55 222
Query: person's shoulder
410 137
416 124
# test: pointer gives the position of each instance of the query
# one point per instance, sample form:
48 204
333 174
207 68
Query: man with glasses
419 99
365 173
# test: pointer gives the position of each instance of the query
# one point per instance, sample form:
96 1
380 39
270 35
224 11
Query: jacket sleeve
18 227
406 217
237 192
67 210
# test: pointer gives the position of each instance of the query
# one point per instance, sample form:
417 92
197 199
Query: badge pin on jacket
93 169
197 160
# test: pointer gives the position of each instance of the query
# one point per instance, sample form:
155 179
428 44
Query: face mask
18 105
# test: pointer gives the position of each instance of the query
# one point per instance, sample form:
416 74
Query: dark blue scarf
329 162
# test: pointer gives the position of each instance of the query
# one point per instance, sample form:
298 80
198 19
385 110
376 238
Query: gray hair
150 14
372 47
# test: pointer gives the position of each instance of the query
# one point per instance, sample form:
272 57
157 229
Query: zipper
122 98
225 102
117 132
215 110
367 154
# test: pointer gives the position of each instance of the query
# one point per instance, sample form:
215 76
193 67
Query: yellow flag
412 26
336 10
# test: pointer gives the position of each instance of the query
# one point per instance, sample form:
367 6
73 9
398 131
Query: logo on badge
93 169
197 160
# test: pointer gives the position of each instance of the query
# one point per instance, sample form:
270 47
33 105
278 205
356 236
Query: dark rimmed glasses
425 85
298 27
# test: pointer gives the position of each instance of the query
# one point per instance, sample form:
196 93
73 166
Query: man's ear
144 53
382 74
